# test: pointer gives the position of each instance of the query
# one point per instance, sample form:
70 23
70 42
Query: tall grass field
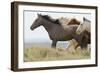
40 53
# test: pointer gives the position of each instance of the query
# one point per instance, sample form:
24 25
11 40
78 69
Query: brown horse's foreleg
54 44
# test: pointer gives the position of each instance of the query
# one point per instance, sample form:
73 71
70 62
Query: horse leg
54 44
76 46
72 44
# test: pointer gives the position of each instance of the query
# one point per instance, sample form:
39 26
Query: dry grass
46 54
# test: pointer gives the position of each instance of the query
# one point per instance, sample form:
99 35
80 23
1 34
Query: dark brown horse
55 30
74 21
84 39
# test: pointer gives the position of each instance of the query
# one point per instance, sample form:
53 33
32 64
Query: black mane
56 21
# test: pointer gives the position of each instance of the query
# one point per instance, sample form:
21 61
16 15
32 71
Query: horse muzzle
31 28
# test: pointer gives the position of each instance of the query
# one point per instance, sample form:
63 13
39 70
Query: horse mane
56 21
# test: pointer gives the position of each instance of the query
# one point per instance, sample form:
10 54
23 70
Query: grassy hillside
46 54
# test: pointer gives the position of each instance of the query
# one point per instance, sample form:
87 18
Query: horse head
85 25
37 22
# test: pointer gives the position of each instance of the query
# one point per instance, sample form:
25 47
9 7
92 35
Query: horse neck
87 26
48 25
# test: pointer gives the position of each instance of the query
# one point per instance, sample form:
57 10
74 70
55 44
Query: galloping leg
54 44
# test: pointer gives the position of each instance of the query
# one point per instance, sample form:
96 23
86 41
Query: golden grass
46 54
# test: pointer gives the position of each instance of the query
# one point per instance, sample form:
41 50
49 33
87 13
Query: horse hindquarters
82 39
86 39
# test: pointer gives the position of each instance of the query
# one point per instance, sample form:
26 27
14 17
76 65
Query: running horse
55 30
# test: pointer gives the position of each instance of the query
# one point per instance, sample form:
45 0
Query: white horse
86 25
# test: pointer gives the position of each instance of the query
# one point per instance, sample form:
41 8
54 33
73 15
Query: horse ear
38 14
83 18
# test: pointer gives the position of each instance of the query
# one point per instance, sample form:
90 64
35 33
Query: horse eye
36 20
